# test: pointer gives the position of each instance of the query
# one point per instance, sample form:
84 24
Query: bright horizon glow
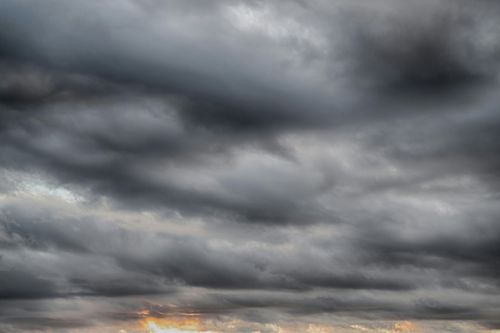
174 325
154 328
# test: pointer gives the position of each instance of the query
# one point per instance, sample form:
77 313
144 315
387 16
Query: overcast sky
322 166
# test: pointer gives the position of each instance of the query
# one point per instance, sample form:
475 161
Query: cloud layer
263 167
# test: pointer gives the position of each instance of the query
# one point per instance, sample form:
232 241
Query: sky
247 166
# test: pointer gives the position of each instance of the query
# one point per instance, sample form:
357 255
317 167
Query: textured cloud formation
249 166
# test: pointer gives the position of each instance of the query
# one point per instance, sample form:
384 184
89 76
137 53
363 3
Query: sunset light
181 324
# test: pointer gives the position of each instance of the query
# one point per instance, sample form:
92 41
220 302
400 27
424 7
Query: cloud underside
328 162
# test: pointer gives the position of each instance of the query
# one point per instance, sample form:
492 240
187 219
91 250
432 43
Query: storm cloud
249 166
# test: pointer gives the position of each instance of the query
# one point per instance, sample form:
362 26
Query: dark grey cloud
16 284
424 49
252 160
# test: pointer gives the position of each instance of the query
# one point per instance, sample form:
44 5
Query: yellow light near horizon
405 326
174 325
154 328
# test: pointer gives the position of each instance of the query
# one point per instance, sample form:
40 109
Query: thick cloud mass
258 166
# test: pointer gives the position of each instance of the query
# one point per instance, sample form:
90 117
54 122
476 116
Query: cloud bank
251 166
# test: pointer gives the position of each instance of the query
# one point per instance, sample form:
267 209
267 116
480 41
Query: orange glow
405 326
185 323
194 323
